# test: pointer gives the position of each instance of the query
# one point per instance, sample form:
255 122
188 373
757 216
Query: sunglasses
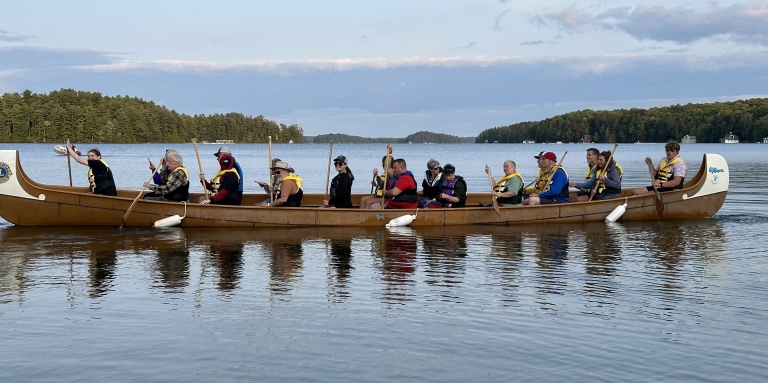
338 163
435 168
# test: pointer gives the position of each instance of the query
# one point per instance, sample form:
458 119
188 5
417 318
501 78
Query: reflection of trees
285 263
101 270
228 261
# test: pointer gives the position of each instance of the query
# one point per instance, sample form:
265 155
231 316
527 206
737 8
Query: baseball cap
222 149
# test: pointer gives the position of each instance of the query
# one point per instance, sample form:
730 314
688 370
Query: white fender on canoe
172 220
403 220
617 212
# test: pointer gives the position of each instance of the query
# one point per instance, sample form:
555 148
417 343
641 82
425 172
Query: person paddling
100 175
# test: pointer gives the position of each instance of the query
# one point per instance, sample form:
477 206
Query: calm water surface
641 302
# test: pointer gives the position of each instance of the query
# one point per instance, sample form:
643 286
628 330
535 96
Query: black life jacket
101 182
405 195
432 189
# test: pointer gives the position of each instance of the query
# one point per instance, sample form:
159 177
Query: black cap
340 159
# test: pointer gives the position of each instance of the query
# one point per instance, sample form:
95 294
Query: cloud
27 57
497 20
470 45
743 22
537 42
12 37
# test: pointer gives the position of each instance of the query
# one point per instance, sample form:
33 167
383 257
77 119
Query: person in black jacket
341 185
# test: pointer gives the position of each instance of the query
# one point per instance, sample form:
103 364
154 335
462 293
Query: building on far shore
689 139
587 139
765 140
730 138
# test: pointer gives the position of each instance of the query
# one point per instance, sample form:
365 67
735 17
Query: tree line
91 117
709 122
417 138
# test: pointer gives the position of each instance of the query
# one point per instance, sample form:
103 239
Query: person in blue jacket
557 190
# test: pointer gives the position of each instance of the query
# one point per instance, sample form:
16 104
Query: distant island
91 117
422 137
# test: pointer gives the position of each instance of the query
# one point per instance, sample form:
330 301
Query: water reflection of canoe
62 150
28 203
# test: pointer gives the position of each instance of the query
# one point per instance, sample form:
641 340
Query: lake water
635 302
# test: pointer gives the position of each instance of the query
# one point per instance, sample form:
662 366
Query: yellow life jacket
500 184
589 173
216 180
295 178
183 169
664 173
292 197
541 184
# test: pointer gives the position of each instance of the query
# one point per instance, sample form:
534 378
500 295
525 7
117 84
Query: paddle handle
200 166
130 208
328 177
69 166
271 174
603 171
554 169
493 197
387 165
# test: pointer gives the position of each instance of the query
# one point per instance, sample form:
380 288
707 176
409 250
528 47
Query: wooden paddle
200 166
328 177
271 174
493 197
604 170
659 201
69 165
387 165
130 208
373 183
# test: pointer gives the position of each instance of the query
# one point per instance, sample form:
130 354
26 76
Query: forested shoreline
91 117
709 122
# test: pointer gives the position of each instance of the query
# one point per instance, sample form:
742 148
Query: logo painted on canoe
715 170
5 172
715 179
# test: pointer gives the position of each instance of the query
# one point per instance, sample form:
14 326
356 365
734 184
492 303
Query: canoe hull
24 202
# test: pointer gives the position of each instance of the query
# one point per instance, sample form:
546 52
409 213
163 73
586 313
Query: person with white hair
175 185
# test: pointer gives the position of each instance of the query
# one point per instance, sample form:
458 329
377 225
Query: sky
390 68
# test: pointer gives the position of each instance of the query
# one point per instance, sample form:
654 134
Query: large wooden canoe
24 202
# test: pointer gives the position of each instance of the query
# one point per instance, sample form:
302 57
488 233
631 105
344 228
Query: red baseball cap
550 156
